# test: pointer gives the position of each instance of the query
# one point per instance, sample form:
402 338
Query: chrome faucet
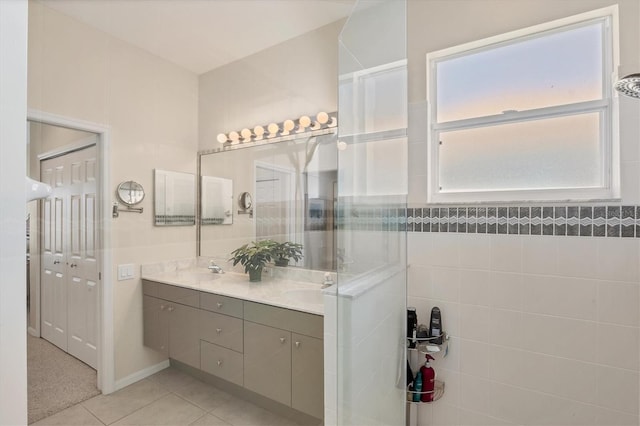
328 281
215 268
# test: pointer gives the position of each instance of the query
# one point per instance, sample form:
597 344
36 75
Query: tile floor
169 397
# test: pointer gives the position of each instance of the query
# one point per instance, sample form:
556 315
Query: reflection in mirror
130 193
293 184
216 201
175 198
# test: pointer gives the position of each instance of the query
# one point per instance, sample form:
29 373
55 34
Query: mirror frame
122 192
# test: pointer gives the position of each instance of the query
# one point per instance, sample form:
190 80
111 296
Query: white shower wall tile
552 322
560 296
630 181
618 303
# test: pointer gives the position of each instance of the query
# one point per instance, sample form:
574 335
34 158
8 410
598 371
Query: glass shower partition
365 378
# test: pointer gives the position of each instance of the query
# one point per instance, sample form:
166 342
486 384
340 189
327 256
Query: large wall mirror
292 186
174 198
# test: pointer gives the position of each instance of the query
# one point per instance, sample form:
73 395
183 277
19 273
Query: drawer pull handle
73 265
282 340
219 363
162 307
297 344
219 304
55 262
218 330
170 308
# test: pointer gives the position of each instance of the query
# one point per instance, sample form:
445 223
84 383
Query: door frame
106 356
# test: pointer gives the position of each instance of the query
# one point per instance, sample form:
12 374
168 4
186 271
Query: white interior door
69 295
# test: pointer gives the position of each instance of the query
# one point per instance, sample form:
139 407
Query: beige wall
150 106
288 80
532 318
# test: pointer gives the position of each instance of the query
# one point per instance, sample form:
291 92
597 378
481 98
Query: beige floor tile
76 415
241 413
210 420
113 407
204 395
172 379
168 410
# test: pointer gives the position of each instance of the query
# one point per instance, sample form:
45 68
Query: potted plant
283 252
254 257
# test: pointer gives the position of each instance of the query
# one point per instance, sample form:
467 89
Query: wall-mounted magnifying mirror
245 201
130 193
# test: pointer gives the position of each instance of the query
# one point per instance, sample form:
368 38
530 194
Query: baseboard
139 375
32 331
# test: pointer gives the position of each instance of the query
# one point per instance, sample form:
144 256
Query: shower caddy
424 346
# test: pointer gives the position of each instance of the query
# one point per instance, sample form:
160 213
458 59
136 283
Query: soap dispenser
428 380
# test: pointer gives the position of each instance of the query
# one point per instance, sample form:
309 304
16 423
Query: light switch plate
125 272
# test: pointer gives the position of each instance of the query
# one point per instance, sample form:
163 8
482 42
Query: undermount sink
199 276
312 296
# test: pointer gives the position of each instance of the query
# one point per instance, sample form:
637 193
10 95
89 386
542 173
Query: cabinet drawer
221 362
183 296
150 288
221 304
222 330
286 319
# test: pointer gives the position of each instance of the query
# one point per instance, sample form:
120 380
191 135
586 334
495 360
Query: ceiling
200 35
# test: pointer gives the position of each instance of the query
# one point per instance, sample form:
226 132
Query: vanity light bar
303 124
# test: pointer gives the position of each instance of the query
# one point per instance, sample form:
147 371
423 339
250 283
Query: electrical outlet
125 272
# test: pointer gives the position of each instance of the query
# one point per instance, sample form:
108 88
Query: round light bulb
288 125
304 122
234 136
246 134
222 138
273 129
322 117
342 145
258 131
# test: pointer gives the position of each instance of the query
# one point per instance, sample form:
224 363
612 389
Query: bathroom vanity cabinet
269 350
171 322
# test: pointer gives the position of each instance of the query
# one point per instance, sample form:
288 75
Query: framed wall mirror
174 198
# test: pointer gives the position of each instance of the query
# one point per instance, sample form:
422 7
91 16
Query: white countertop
297 295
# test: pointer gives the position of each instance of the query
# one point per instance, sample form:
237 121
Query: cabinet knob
162 307
170 308
218 330
282 340
55 262
219 304
219 363
297 344
73 265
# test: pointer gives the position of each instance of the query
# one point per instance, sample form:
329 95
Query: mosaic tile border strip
586 221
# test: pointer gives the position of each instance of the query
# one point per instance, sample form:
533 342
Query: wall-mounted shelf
427 345
437 393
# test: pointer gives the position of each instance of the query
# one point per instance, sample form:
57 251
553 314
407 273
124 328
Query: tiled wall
585 221
544 330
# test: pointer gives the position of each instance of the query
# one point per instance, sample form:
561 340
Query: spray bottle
428 380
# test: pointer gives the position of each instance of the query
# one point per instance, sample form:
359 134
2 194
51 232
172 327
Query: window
526 115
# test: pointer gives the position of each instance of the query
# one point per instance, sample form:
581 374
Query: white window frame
607 107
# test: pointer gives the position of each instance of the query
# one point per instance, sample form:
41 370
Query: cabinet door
156 325
307 381
184 334
267 361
